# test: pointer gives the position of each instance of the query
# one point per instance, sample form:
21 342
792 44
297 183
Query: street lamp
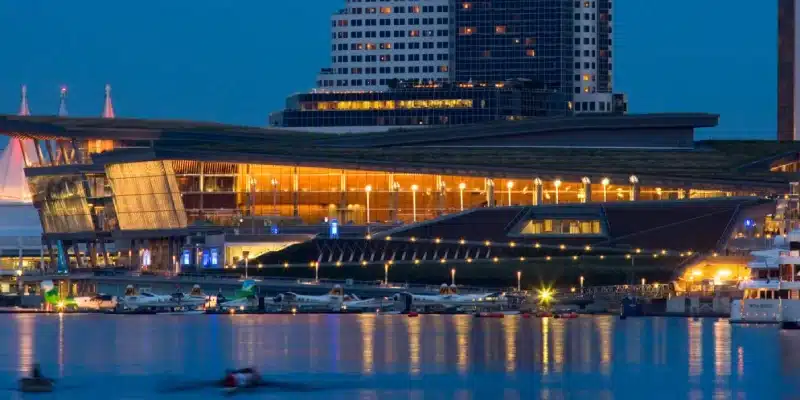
581 280
414 189
461 187
452 276
557 184
386 274
509 185
605 183
658 192
274 183
519 281
368 189
316 272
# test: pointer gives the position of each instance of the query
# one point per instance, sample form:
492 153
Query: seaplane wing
367 304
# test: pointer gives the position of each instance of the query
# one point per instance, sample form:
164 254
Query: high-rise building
788 111
563 46
373 42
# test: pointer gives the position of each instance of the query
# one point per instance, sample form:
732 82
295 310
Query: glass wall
224 193
62 203
146 196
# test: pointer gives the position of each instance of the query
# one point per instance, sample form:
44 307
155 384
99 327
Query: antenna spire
62 105
24 110
108 106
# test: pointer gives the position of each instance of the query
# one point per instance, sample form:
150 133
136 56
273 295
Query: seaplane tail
243 298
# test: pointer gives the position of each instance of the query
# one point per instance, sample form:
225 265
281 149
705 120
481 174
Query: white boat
772 293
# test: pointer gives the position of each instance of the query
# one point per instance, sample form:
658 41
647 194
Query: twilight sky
236 61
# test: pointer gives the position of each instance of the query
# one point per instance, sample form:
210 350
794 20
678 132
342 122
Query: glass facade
443 104
146 196
62 202
225 193
510 39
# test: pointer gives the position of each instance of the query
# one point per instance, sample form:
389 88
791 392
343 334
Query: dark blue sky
236 61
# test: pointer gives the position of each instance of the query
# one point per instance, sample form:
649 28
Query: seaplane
97 303
133 299
333 301
448 298
244 298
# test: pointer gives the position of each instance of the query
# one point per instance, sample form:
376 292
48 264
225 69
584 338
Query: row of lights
469 260
538 245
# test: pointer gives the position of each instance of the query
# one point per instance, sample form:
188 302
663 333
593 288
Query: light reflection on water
447 357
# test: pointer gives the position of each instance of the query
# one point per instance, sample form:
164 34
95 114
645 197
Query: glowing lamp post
581 281
605 183
557 184
367 190
461 187
316 271
452 276
519 281
414 189
386 274
509 185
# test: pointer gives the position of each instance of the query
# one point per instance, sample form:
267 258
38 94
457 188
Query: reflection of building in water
558 346
605 326
510 329
26 335
441 344
366 323
722 348
545 346
389 355
413 344
695 347
60 344
463 330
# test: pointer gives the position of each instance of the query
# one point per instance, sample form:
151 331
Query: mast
108 106
62 105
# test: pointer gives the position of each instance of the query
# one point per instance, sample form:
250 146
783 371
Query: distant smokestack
108 106
24 110
62 105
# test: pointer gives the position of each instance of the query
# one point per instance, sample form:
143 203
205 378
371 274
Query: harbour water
372 356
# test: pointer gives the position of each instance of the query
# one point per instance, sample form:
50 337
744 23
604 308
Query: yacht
772 292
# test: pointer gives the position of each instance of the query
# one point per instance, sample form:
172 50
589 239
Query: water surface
372 356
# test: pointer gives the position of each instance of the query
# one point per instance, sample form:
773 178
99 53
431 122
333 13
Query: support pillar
538 192
133 253
635 189
53 256
78 259
39 155
587 189
489 185
91 248
342 211
105 253
394 189
296 192
440 195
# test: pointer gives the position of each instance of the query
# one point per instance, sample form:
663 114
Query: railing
656 290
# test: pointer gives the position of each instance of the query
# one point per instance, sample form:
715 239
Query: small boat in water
36 385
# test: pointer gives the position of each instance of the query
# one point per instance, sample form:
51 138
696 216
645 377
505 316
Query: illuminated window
414 9
500 29
585 4
562 227
443 68
385 105
414 33
466 6
586 77
530 53
386 10
586 90
530 41
371 46
466 30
